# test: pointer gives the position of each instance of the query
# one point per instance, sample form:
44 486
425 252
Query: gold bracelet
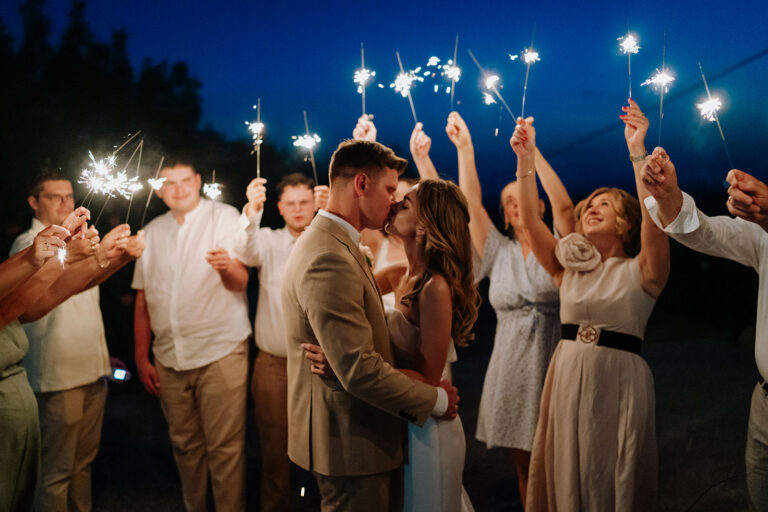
638 158
525 174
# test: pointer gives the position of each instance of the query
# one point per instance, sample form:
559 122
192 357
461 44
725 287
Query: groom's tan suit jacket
353 425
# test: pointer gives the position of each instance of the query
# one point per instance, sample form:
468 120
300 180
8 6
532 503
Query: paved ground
703 387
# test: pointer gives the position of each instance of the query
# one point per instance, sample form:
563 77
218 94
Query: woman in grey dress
525 300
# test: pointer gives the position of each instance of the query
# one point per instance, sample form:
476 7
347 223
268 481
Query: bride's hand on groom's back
318 363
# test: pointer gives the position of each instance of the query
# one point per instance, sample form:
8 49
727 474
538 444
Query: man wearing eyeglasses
68 358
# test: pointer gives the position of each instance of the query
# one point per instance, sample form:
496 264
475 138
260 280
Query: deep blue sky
301 55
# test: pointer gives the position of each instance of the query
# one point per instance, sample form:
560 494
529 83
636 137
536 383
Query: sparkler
154 185
661 81
120 183
363 75
629 46
308 141
452 70
135 186
403 83
488 99
490 83
709 110
213 192
256 129
529 57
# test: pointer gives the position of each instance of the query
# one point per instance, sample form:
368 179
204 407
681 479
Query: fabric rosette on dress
575 252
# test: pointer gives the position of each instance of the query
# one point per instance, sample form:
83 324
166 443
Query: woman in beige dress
595 442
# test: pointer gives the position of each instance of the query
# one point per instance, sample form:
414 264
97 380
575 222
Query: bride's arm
435 322
389 277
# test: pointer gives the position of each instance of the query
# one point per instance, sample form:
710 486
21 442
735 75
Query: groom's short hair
354 156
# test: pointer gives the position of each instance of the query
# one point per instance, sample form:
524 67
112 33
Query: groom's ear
361 182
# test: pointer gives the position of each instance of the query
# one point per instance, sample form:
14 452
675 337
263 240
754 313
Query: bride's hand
318 363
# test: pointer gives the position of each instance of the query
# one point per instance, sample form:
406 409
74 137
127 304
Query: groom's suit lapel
341 235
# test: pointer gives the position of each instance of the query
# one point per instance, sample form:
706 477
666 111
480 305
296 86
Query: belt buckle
588 334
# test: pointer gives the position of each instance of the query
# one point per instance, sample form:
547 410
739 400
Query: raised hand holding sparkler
365 129
257 129
308 141
629 46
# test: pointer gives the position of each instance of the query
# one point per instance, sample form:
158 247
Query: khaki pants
756 455
270 397
382 492
205 410
70 427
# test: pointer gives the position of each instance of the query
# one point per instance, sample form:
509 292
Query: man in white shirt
744 240
268 250
67 360
191 297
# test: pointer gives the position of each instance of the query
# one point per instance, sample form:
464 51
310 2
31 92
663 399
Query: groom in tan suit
350 432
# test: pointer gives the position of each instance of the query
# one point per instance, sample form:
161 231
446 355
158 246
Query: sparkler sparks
491 81
709 108
628 44
451 71
156 183
212 191
307 141
513 57
361 78
530 56
256 128
404 81
433 61
488 99
62 255
660 81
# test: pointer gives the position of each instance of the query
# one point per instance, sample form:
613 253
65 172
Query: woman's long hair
442 212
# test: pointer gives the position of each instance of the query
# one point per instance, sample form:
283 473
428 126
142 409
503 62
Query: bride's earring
421 235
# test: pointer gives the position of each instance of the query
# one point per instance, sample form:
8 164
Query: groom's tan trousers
382 492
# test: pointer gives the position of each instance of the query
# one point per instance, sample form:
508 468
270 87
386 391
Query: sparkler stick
453 79
629 46
714 106
490 83
311 150
407 89
661 102
213 191
258 146
154 184
530 57
136 185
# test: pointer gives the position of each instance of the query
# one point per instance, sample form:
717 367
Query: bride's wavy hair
443 213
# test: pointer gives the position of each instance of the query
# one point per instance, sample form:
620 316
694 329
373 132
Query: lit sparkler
212 191
490 83
488 99
62 255
529 57
134 185
709 108
513 57
629 45
308 141
155 184
712 106
257 129
362 76
660 81
403 83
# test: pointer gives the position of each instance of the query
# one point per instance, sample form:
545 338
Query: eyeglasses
59 197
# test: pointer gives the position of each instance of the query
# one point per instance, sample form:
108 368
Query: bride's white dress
436 451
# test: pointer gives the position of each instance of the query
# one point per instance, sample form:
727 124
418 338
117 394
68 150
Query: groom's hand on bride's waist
453 400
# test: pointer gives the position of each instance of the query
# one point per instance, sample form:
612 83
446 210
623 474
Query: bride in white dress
435 307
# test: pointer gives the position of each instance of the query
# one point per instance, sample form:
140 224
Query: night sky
302 55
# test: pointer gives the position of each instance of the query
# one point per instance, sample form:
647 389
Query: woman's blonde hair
442 212
628 217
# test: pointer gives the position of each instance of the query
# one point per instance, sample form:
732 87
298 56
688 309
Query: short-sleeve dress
19 423
527 307
595 445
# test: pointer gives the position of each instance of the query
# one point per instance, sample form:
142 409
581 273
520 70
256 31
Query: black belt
610 339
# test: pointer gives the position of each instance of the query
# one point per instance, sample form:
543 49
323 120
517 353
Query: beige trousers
270 397
205 410
382 492
70 428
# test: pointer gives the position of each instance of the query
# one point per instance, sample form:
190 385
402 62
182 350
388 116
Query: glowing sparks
709 108
530 56
307 141
121 184
628 44
404 82
212 191
62 255
491 81
660 81
433 61
156 183
256 128
488 99
513 57
362 77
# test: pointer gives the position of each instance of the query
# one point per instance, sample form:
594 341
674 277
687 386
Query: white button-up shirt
67 347
268 250
195 320
726 237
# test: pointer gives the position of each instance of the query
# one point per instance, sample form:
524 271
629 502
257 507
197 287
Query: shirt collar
353 233
37 225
